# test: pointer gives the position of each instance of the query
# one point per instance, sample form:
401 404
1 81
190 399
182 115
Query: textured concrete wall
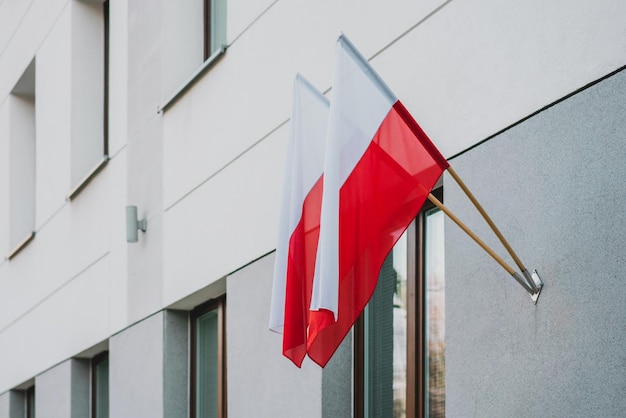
337 382
176 364
554 184
63 391
12 404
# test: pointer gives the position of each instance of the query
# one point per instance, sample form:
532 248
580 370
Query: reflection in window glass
30 402
434 362
100 395
385 330
207 364
214 26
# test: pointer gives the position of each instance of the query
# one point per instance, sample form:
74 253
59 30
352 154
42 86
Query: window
105 78
208 386
433 354
22 133
30 402
194 36
399 338
89 91
214 26
100 386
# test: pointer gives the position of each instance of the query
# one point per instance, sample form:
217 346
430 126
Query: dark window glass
100 386
30 402
207 361
400 337
214 26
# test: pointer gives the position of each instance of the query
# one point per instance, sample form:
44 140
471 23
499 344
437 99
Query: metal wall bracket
532 283
535 281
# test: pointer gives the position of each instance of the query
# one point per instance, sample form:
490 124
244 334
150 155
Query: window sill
20 246
81 184
192 80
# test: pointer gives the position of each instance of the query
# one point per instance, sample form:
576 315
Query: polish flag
378 171
299 219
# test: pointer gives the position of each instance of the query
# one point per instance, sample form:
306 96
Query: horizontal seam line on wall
54 292
410 29
38 46
402 35
544 108
17 28
225 166
256 19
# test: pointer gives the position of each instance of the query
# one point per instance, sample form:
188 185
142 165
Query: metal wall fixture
133 224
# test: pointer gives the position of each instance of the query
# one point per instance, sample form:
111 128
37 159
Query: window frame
93 172
106 21
210 58
25 93
218 304
207 29
29 400
95 361
416 348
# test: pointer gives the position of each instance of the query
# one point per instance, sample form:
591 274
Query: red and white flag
299 219
378 171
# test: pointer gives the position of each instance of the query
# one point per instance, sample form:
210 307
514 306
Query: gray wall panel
554 185
136 370
261 382
12 404
148 368
176 364
63 391
337 382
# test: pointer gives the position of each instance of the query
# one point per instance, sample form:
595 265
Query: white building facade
181 108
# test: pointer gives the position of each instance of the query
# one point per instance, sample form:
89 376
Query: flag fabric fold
299 219
356 176
379 168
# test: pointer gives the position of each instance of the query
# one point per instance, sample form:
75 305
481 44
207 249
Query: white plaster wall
65 322
21 168
63 391
182 38
117 167
476 67
207 172
58 287
144 258
27 32
144 64
466 71
53 118
4 179
72 240
118 76
87 72
11 12
116 277
202 240
136 370
145 156
248 93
